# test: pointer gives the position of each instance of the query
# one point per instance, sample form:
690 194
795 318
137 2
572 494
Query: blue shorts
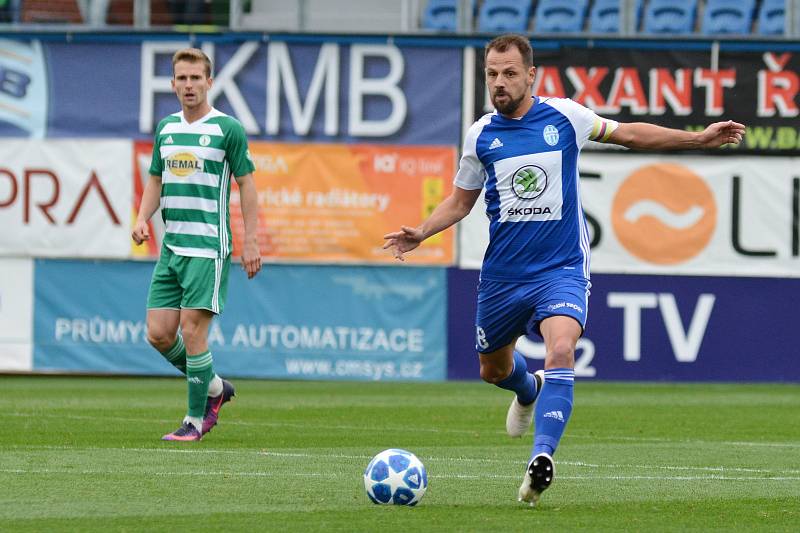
509 310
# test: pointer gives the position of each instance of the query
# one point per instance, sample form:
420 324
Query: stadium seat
504 15
670 16
771 17
440 15
724 16
604 16
560 16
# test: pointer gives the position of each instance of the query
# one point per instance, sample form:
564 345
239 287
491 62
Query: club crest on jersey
550 134
529 182
183 164
205 140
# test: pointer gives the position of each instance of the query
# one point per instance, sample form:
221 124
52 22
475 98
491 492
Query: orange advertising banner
142 152
333 203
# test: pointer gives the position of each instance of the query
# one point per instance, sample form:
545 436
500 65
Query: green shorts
181 282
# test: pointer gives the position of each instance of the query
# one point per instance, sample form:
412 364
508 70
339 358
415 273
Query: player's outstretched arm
450 211
151 197
248 196
644 136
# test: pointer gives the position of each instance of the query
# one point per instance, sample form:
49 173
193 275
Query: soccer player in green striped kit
195 154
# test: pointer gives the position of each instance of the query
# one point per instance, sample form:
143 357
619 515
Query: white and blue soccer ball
395 477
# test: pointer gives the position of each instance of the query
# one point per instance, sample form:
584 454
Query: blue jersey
529 167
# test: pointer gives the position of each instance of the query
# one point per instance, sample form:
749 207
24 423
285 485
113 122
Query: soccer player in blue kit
535 274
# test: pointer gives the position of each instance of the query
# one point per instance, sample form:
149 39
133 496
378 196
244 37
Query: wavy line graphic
675 220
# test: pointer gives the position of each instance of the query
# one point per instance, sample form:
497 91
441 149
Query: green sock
199 371
176 355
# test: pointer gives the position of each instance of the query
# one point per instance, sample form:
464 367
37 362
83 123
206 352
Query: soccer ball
395 477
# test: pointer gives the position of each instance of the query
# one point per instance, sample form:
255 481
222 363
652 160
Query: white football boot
520 417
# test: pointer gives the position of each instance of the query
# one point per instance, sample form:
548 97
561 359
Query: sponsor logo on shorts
561 305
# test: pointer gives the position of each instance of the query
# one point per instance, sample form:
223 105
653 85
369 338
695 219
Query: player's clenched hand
720 133
403 241
251 259
140 232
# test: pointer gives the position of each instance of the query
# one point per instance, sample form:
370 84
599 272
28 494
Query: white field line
335 427
328 475
677 468
434 459
300 425
657 440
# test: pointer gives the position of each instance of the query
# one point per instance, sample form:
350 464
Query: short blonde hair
192 55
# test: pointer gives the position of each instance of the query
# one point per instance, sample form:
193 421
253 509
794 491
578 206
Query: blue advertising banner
330 91
670 328
294 322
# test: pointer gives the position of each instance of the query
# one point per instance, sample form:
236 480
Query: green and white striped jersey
195 162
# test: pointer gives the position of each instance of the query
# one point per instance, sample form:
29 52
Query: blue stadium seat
604 16
504 15
724 16
772 17
670 16
441 15
560 16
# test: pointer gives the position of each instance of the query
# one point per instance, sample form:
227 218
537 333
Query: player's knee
194 333
189 330
562 354
493 374
160 339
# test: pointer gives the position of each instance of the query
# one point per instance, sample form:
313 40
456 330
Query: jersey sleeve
237 151
471 174
588 125
156 163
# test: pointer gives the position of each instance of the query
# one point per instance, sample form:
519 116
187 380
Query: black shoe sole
541 471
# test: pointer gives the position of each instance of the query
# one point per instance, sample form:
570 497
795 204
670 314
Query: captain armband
602 129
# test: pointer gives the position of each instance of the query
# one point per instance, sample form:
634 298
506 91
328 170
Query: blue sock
520 381
553 409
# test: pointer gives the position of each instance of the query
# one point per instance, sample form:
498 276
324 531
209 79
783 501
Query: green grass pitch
83 454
